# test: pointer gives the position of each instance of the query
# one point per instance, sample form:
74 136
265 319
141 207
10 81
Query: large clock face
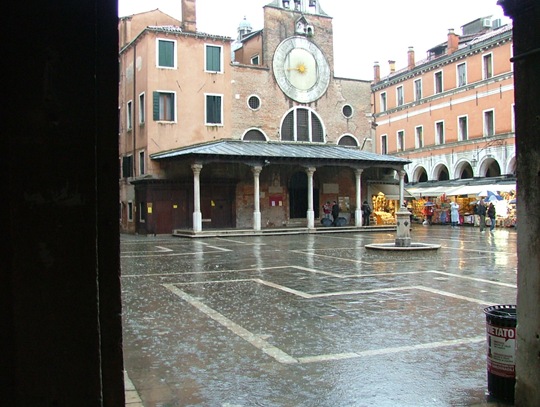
301 70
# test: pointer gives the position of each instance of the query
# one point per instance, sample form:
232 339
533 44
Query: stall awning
427 192
391 191
452 190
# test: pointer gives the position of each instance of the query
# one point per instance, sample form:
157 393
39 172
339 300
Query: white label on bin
501 351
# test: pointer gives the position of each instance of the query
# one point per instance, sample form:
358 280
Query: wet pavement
313 320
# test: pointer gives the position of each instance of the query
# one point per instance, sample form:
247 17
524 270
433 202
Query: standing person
327 209
335 212
491 215
475 214
366 212
481 210
454 214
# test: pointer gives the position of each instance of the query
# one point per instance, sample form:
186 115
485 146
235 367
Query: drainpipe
133 106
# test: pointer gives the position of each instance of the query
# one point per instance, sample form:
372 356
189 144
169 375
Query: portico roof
243 151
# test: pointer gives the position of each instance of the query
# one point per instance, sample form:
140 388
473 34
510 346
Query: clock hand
301 69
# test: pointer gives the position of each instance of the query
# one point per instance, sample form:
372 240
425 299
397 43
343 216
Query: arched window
254 135
348 140
302 124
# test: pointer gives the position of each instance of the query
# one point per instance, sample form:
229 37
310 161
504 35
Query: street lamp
476 154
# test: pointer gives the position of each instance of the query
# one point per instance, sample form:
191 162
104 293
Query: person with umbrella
428 212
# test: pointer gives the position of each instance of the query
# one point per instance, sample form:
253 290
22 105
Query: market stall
466 196
383 210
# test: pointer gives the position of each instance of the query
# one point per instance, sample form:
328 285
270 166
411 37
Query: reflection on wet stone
312 320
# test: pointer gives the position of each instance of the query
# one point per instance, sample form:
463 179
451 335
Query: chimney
189 16
376 72
410 59
453 42
392 66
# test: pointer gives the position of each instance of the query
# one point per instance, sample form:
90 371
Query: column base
256 221
197 221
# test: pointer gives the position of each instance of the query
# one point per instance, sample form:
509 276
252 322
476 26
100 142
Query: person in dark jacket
491 215
481 211
335 212
366 213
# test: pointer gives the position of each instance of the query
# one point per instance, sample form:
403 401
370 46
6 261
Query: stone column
197 215
256 198
310 213
401 188
526 58
358 211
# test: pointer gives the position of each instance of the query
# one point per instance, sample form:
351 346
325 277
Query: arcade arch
489 167
440 173
420 174
463 170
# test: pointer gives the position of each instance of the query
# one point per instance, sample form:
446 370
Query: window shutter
171 107
302 125
213 59
213 109
126 167
317 133
166 53
287 130
155 97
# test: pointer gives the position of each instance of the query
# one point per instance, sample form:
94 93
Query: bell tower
304 6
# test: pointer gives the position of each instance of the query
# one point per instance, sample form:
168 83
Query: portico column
401 188
358 211
197 215
256 198
310 213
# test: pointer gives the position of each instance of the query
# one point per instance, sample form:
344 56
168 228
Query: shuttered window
166 54
213 58
127 166
164 106
302 124
213 109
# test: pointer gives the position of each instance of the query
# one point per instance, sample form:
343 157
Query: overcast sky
364 31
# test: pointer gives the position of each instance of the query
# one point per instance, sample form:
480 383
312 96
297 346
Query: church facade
250 133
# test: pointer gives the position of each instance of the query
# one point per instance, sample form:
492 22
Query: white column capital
196 168
310 170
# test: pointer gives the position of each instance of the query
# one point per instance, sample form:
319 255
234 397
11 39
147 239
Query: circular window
254 102
347 111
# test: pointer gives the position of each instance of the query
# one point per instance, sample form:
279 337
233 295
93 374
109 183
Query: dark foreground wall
59 269
526 15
